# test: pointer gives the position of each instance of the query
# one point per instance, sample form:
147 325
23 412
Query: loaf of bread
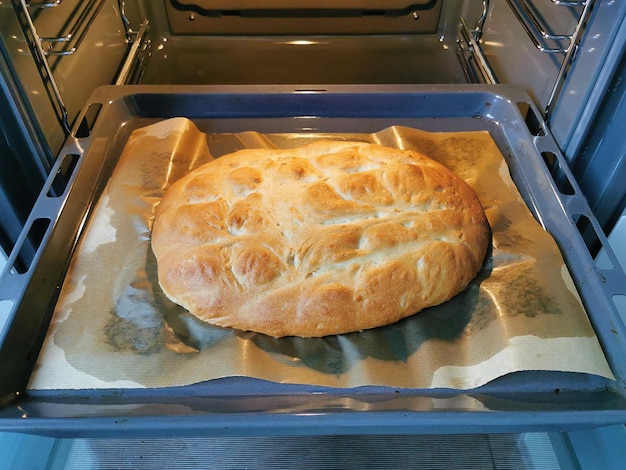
328 238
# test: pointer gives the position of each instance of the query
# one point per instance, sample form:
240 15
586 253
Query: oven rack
238 406
539 32
71 39
45 4
476 66
67 43
473 61
565 43
471 56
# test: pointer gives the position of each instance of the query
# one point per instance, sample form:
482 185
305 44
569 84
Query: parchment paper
114 328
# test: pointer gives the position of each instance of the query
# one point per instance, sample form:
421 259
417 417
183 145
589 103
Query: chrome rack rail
550 43
569 3
45 70
68 42
45 4
127 23
133 65
74 34
473 60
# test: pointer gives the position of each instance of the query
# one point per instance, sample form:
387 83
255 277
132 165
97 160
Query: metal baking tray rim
534 399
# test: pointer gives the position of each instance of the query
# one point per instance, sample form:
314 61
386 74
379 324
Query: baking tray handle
19 279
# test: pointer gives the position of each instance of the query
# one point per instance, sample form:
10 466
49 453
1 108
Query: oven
543 78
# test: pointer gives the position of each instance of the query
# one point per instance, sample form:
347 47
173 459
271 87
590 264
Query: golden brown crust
324 239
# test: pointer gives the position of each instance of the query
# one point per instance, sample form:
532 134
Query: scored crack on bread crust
328 238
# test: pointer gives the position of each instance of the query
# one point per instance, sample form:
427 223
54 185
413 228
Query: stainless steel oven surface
543 77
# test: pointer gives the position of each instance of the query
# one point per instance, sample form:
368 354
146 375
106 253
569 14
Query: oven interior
78 45
566 55
56 52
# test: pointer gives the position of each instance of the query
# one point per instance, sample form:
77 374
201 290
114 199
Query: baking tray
517 402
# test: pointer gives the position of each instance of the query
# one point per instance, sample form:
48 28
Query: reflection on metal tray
524 400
